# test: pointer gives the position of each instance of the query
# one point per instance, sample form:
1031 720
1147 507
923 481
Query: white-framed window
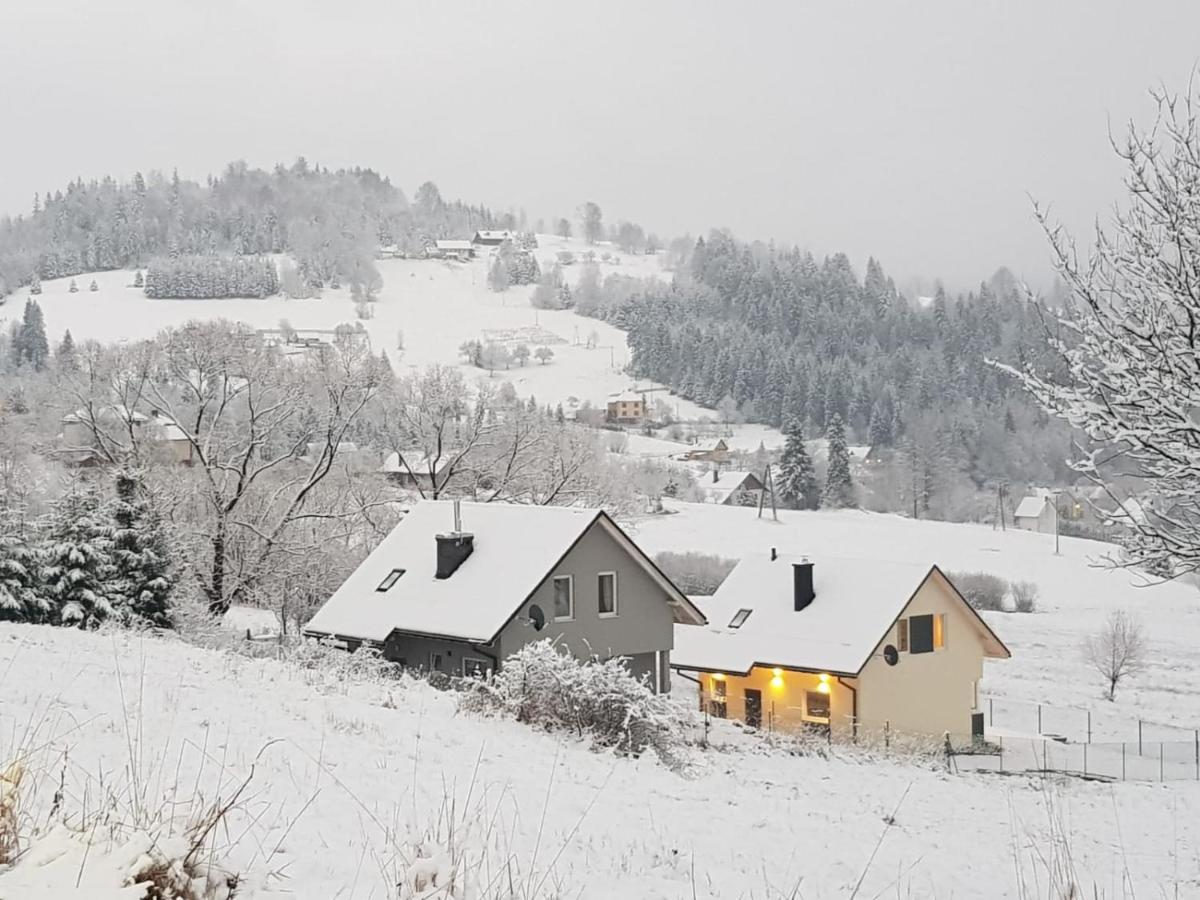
435 661
564 598
606 584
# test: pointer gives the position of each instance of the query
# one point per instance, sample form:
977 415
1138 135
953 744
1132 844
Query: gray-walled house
457 587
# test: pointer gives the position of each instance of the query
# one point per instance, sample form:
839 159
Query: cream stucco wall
926 693
783 702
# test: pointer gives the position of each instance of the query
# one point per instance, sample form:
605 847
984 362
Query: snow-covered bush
542 684
1025 595
981 589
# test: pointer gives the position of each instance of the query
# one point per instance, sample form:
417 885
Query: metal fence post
1197 737
1044 768
1089 712
1085 746
1039 718
1122 760
991 711
1002 753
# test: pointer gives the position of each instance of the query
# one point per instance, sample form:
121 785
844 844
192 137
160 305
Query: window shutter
920 634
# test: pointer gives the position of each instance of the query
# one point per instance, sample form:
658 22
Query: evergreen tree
797 479
93 286
20 597
839 488
78 566
35 284
66 353
143 578
138 281
73 288
31 344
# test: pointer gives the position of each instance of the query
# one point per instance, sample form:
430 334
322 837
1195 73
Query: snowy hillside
437 304
1075 599
347 778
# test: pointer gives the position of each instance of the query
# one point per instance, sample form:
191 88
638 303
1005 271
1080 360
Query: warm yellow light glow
824 678
718 676
823 688
777 681
778 673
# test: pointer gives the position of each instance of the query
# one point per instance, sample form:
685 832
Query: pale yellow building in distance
626 409
842 645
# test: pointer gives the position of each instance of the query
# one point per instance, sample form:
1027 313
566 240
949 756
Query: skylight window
392 577
740 618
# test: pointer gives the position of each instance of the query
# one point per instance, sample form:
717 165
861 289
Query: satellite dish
537 618
891 655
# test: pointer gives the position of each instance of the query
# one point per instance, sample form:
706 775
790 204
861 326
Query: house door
753 708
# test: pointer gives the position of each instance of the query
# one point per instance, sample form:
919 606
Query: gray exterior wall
643 623
642 626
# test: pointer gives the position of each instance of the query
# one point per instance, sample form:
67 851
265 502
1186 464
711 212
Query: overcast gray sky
913 131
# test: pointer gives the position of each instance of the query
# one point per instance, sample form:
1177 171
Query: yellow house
847 645
627 408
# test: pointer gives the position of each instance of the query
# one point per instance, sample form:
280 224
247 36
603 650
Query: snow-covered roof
419 462
493 235
626 397
726 483
515 548
453 245
117 411
250 619
856 603
1031 507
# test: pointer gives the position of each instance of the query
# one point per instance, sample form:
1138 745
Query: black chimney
802 584
454 548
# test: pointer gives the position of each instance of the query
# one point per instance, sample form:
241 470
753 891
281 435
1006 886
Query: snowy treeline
331 222
88 559
775 336
211 277
512 265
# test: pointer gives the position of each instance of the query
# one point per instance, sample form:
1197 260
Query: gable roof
453 245
419 461
1031 507
727 483
857 602
515 549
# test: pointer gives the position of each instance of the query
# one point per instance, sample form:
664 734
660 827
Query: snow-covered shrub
1025 595
982 590
695 573
542 684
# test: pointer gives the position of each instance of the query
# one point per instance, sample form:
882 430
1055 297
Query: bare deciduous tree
1128 340
1117 650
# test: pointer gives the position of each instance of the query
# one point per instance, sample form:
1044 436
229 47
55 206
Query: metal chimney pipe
457 517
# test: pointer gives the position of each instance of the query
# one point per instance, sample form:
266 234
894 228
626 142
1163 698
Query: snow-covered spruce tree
143 576
20 597
797 479
1129 340
839 488
77 566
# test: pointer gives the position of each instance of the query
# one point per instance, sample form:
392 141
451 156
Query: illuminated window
939 631
392 577
740 618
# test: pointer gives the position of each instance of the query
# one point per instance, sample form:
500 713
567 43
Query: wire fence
1109 760
1078 724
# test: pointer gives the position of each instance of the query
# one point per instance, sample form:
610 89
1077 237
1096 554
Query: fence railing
1078 724
1111 760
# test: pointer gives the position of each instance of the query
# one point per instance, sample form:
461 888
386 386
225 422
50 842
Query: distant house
713 451
389 251
491 238
457 588
87 432
1036 513
732 488
417 470
840 644
460 250
628 408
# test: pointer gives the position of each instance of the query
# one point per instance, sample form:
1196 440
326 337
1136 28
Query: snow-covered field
349 776
437 304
